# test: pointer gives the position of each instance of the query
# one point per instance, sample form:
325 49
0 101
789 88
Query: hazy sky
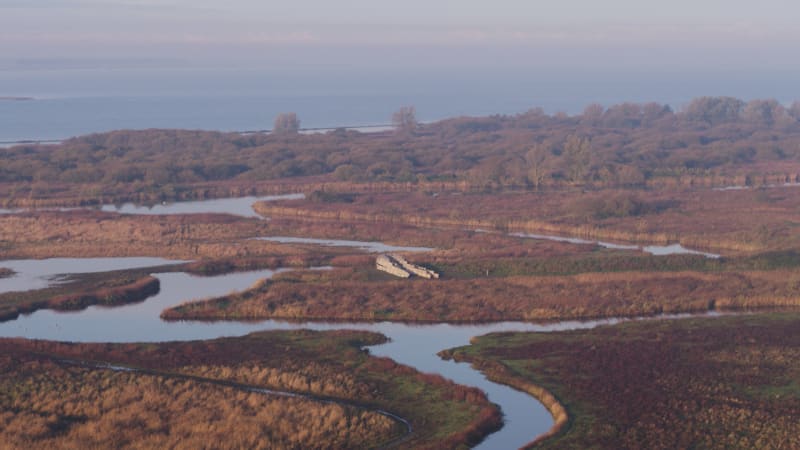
559 32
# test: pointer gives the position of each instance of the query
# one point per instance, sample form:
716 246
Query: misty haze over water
75 101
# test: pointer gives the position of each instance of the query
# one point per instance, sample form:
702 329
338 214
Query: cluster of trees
622 145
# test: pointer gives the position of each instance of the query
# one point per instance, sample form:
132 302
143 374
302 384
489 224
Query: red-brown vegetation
348 294
699 383
86 233
733 221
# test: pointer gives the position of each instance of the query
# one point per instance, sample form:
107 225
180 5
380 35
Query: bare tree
405 119
537 162
593 114
577 155
286 123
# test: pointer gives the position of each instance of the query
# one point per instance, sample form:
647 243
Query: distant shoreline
15 99
360 128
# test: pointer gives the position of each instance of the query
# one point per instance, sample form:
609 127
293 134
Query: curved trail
250 388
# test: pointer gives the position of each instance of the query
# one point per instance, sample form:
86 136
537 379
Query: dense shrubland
714 141
698 383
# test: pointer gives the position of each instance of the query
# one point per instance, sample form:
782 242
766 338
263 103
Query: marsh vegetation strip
413 345
658 250
372 247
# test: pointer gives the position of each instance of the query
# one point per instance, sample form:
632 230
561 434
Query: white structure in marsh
398 266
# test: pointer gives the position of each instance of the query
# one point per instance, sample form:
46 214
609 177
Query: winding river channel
413 344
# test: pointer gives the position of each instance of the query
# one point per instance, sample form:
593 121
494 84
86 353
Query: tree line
621 145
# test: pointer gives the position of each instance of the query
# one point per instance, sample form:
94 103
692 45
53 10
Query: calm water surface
240 206
237 206
658 250
41 273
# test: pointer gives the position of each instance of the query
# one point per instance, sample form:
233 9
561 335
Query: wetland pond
239 206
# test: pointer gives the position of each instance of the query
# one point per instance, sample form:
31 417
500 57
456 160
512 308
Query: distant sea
73 102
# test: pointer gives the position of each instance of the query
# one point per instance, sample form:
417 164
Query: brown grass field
86 233
193 394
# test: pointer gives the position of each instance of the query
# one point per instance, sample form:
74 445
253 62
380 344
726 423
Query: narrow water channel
657 250
371 247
